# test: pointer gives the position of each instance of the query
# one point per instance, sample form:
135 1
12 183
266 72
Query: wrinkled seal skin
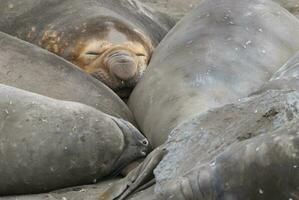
222 51
31 68
111 39
49 144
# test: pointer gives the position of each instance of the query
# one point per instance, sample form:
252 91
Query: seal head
115 53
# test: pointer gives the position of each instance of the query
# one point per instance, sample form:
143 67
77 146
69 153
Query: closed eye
140 54
93 53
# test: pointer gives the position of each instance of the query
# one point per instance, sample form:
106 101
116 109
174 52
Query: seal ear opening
136 145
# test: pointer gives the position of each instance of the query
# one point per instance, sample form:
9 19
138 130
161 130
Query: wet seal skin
111 39
49 144
31 68
218 53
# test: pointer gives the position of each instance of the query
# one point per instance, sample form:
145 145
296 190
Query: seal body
48 144
112 40
247 149
220 52
31 68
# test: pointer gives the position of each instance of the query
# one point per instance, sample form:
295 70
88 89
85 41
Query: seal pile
60 125
218 104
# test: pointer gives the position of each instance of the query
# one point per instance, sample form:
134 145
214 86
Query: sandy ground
176 8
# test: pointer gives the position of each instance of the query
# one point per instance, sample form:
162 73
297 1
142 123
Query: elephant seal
31 68
111 39
48 144
247 149
221 51
241 172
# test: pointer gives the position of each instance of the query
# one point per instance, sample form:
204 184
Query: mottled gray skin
179 8
48 144
286 78
175 8
265 167
246 150
31 68
221 51
84 192
208 135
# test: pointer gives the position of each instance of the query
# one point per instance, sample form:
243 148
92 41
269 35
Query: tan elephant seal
110 39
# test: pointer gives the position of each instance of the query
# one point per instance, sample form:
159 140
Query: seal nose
122 65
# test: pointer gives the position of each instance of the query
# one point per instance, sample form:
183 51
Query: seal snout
122 65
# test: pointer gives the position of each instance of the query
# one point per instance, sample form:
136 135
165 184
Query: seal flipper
139 177
136 145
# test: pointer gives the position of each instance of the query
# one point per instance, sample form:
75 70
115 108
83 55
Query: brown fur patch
89 44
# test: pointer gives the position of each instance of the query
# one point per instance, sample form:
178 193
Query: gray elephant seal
48 144
31 68
111 39
221 51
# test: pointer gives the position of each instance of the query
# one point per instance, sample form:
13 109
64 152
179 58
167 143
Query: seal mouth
122 88
120 69
122 65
